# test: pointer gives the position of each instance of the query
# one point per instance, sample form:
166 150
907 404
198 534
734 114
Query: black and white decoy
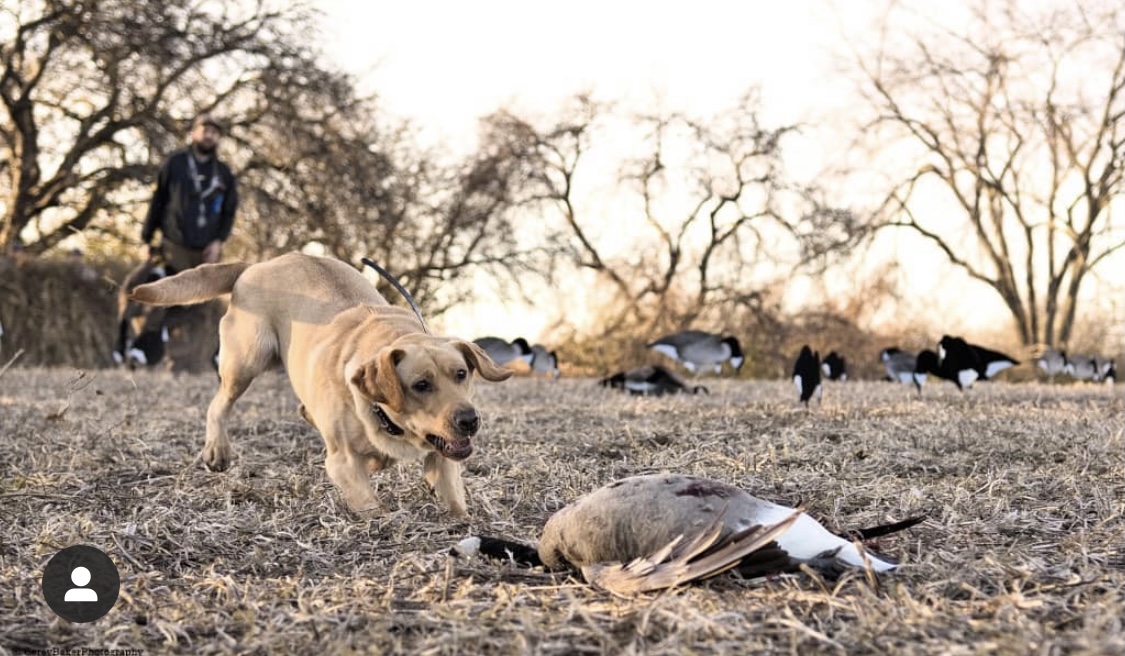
969 362
1053 362
657 531
147 349
834 366
544 361
698 350
806 374
929 363
957 362
901 366
502 351
1107 370
993 361
1082 367
654 380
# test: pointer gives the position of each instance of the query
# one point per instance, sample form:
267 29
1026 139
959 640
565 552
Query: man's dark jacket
176 204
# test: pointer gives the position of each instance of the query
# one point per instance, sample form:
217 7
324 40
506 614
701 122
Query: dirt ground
1023 550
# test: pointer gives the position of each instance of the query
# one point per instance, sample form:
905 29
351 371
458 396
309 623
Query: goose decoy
957 358
650 381
1053 362
544 361
963 356
147 349
928 363
697 350
657 531
993 361
901 365
502 351
806 375
1082 367
1107 370
834 366
134 320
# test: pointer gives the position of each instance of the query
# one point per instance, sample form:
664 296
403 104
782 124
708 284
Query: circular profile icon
81 583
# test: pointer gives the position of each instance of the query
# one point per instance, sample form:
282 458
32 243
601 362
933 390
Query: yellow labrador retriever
376 387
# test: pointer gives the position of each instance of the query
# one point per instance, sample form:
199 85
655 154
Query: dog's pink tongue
452 449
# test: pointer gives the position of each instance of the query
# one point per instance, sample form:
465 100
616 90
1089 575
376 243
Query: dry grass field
1023 550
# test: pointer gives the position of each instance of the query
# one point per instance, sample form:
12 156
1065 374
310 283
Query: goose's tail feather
864 534
498 549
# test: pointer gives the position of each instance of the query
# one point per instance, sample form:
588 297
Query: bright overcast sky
445 64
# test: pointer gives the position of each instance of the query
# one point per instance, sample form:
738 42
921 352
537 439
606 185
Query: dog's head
424 385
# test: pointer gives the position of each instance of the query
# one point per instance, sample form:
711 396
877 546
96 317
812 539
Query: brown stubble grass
1022 551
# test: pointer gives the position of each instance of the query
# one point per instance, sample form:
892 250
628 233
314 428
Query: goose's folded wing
699 556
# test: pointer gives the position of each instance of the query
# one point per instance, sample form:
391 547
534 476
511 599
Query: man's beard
204 148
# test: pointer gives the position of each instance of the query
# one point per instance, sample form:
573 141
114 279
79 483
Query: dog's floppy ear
479 360
379 381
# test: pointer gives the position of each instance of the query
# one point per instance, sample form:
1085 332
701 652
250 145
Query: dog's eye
421 386
462 374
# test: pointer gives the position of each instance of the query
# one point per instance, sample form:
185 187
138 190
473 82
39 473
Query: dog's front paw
216 457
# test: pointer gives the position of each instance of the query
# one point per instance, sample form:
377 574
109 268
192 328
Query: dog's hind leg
246 348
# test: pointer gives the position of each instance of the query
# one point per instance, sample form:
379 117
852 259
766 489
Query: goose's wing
685 559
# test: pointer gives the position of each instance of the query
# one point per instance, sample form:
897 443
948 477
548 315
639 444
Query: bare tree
357 184
1019 121
687 259
93 93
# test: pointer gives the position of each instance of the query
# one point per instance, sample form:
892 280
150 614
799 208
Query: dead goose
502 351
697 350
651 532
544 361
650 381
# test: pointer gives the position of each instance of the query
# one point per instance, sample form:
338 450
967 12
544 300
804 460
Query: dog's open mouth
452 449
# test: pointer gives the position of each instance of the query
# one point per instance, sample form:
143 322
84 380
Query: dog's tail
197 285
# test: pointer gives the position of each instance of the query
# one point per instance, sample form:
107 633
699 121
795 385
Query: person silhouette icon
80 576
80 584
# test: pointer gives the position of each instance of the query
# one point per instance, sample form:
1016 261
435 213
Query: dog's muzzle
452 449
464 423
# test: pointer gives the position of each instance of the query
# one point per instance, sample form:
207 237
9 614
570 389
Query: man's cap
207 118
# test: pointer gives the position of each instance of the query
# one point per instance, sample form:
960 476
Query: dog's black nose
467 421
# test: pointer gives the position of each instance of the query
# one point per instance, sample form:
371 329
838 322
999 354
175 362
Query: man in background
193 209
194 203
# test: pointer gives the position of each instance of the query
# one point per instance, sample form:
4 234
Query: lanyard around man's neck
193 170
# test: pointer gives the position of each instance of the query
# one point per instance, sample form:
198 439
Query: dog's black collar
391 427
